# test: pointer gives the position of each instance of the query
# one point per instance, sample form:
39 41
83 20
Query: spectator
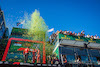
73 34
78 59
78 34
88 36
55 35
95 37
81 34
61 32
57 32
65 32
64 59
98 62
52 60
49 60
92 36
57 61
82 31
70 33
98 37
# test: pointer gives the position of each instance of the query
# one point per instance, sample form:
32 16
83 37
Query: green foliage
49 49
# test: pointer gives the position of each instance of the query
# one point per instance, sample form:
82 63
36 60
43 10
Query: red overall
34 51
38 56
26 50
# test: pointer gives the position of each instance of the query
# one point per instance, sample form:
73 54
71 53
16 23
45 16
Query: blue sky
73 15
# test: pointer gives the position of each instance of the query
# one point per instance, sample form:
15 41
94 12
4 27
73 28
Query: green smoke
36 26
37 30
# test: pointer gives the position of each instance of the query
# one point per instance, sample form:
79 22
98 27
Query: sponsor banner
78 38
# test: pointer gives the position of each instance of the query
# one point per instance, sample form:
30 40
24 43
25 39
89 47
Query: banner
78 38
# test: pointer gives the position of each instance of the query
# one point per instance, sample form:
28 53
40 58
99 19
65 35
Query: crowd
82 34
79 60
55 60
52 60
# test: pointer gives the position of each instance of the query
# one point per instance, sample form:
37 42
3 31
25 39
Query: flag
20 22
50 30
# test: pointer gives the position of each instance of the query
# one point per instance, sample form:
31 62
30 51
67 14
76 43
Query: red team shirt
26 50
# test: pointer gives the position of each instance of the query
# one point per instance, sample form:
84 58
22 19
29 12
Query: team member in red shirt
26 52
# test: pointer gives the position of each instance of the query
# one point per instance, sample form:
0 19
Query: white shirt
88 36
95 37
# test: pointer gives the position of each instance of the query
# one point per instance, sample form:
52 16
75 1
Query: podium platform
20 64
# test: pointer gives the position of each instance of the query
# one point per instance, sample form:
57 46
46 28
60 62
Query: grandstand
74 47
